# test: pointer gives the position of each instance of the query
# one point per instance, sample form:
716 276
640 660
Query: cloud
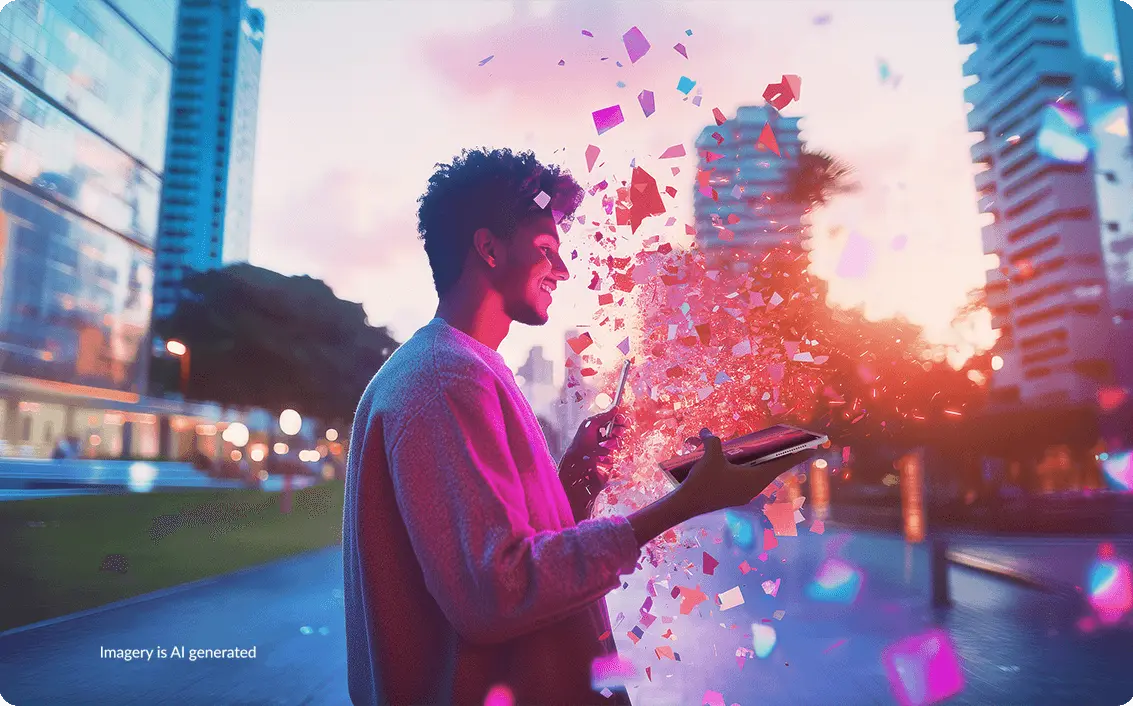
337 231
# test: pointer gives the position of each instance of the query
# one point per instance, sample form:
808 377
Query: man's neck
481 317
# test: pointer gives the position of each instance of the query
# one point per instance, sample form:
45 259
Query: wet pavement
1015 645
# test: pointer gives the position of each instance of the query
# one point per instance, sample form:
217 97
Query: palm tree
818 178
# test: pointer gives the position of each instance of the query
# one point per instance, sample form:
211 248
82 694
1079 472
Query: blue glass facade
84 90
207 196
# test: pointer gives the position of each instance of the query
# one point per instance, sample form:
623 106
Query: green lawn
52 569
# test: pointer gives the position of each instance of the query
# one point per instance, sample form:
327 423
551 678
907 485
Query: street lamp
180 350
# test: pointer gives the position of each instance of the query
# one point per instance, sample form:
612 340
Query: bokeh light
837 581
142 477
923 669
762 639
1110 585
290 422
1118 469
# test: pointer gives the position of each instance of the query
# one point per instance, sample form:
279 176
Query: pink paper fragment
674 151
592 152
681 50
636 44
608 118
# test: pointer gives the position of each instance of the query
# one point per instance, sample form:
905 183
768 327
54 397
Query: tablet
751 450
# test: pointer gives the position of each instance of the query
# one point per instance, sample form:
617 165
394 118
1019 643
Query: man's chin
530 316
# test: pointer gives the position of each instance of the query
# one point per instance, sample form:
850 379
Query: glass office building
1049 97
84 94
207 197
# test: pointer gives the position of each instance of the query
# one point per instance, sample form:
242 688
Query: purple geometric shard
636 44
607 118
645 98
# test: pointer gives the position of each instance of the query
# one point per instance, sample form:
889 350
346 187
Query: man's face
532 271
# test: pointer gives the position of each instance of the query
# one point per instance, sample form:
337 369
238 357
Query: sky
361 98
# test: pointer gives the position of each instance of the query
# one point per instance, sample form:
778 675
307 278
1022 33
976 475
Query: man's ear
486 246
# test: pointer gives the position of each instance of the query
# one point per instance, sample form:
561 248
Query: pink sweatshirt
464 567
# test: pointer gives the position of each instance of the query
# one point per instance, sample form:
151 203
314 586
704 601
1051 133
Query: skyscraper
538 375
739 163
84 89
1050 104
207 198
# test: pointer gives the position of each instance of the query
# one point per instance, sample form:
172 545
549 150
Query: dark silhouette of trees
257 338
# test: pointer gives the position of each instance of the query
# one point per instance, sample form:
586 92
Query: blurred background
906 224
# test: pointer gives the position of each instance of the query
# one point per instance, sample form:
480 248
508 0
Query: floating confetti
762 639
708 564
542 199
688 32
674 151
646 101
690 598
681 50
822 19
771 588
580 343
591 157
685 84
635 43
645 199
778 615
587 33
767 140
730 599
608 118
836 582
923 669
780 95
782 517
484 61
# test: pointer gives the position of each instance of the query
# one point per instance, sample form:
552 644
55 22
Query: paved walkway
1016 645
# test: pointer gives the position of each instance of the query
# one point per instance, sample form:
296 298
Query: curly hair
486 189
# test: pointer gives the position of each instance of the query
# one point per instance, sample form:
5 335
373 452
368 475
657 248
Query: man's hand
584 470
714 483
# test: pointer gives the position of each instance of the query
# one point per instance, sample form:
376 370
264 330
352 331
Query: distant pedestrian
469 558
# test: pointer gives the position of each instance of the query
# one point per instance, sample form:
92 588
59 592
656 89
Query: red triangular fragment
712 157
720 119
646 199
767 140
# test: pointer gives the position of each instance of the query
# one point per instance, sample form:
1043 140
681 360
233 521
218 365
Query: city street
1016 645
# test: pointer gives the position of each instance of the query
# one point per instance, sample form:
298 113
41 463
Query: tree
817 179
257 338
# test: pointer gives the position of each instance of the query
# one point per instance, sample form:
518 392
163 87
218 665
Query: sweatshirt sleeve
459 493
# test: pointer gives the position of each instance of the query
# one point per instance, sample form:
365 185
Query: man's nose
559 269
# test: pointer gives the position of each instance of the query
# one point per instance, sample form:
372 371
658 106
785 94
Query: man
469 560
